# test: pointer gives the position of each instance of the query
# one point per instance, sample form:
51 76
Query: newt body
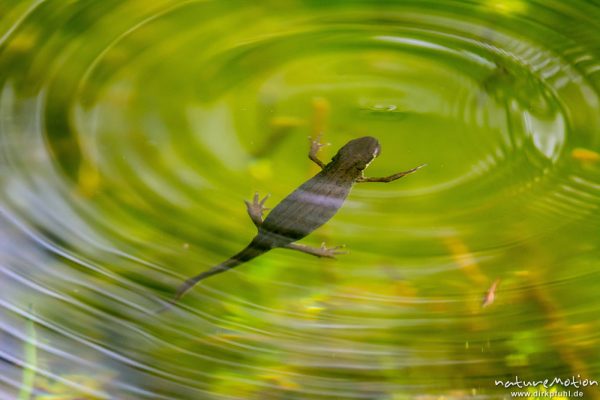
307 208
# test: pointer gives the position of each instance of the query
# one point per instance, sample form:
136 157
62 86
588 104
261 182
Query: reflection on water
130 134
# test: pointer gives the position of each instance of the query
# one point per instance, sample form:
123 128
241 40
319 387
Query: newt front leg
315 146
390 178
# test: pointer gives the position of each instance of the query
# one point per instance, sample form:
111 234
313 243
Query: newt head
358 153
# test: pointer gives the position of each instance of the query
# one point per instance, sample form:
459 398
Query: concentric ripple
132 131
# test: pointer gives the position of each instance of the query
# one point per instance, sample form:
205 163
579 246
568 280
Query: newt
308 207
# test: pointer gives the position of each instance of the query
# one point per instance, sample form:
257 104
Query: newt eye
377 151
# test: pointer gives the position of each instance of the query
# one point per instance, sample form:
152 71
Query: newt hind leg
329 252
256 209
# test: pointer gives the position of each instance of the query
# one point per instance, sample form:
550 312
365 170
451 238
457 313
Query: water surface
131 132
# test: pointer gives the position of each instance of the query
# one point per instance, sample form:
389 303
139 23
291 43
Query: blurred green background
132 131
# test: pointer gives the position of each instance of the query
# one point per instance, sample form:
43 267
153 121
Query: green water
131 132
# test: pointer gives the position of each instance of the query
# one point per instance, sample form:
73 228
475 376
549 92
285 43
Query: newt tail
253 250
